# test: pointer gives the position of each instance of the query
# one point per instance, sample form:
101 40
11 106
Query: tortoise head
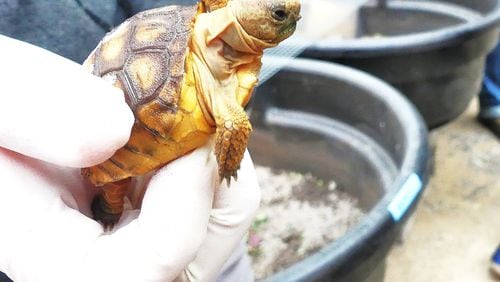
268 20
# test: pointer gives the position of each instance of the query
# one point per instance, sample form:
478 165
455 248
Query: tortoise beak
287 30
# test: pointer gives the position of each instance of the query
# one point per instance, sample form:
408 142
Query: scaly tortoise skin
187 72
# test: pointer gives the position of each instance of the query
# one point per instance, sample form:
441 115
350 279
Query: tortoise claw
227 176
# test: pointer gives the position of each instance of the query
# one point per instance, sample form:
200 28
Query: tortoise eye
279 14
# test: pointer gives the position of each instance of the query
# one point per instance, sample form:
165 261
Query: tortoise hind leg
107 206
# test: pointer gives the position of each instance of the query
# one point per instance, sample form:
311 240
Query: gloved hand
55 118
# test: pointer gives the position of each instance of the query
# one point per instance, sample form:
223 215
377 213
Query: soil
456 226
298 215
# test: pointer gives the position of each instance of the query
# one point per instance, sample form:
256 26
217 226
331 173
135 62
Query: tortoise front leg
231 136
107 206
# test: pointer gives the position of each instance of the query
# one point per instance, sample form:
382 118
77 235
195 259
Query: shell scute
151 35
113 52
146 72
177 61
178 44
186 17
169 94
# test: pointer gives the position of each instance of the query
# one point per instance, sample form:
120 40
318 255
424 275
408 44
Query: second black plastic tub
342 124
433 52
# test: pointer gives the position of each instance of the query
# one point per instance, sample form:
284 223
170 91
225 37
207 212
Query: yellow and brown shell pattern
145 57
146 54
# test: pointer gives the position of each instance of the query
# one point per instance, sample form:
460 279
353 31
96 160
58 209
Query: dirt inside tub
299 214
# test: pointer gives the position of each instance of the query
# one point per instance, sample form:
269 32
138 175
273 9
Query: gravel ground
299 214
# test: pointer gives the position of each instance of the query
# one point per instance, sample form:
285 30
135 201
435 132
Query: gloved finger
42 238
42 234
171 226
53 111
231 216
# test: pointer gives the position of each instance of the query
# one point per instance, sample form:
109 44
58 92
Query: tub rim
412 43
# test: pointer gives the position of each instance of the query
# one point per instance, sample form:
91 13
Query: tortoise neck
220 48
222 43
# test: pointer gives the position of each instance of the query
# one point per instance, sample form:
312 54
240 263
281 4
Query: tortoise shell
145 55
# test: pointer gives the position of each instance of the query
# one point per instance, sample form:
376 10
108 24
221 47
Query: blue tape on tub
400 204
496 256
492 87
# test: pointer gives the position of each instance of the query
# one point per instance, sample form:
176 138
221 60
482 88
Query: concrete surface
456 226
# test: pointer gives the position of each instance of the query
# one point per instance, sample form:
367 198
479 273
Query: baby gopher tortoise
187 72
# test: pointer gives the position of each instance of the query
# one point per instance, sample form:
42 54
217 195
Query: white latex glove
55 118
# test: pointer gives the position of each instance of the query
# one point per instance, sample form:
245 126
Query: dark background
71 28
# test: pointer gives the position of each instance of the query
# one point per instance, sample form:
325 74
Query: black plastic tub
483 6
342 124
433 52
